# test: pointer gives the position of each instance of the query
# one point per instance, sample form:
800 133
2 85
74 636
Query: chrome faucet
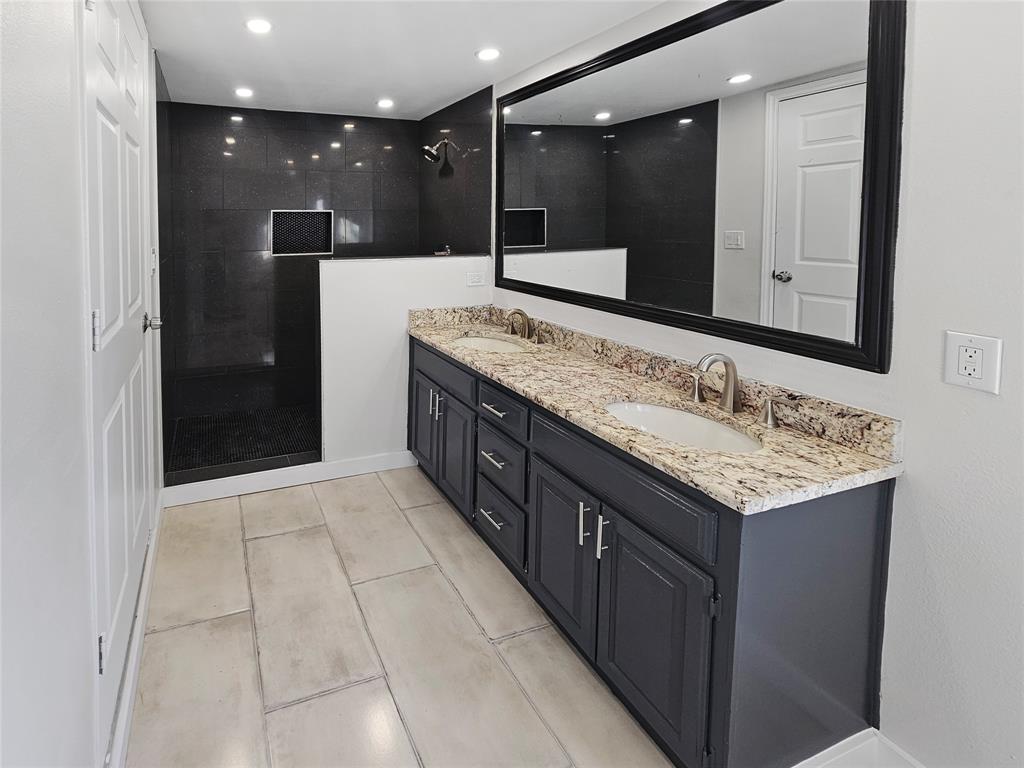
524 326
730 401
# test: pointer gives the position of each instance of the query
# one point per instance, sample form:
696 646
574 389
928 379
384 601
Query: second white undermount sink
683 427
488 344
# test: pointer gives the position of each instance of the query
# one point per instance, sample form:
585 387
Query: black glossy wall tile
455 208
246 189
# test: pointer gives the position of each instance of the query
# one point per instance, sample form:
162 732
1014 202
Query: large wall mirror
735 173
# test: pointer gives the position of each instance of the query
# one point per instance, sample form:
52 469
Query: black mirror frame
880 194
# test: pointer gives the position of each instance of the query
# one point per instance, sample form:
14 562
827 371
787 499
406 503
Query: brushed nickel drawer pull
601 523
490 458
430 404
490 519
579 522
492 409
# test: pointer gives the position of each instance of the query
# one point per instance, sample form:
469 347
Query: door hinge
715 606
95 330
99 649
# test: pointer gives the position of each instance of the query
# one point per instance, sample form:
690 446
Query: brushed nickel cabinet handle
490 458
601 523
490 519
579 522
430 404
492 409
437 408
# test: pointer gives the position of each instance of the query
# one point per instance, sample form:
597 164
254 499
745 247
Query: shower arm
446 140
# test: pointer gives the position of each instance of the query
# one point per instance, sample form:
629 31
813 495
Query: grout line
373 644
372 579
521 632
285 533
192 623
321 694
255 638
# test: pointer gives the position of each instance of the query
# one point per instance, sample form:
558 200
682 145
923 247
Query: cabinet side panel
805 670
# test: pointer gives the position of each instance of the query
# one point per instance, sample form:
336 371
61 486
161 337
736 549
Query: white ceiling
779 43
341 57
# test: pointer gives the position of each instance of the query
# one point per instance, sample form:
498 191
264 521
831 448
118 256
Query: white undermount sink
488 344
683 427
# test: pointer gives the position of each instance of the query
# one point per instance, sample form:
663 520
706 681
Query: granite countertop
792 466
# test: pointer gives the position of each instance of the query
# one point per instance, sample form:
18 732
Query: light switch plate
734 239
973 361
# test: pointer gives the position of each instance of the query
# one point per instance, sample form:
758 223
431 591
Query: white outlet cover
474 278
973 361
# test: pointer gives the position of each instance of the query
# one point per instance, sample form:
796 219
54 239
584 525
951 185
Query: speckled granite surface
821 448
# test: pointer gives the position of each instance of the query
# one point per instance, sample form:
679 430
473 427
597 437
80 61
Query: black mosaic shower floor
207 447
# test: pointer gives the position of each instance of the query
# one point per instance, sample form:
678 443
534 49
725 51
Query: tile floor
358 622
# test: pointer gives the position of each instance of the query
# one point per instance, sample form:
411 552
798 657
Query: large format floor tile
593 726
308 627
200 568
410 487
372 535
497 600
462 706
198 701
280 511
357 727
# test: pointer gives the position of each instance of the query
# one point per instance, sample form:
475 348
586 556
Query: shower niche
302 233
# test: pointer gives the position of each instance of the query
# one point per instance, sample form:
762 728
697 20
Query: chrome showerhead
431 153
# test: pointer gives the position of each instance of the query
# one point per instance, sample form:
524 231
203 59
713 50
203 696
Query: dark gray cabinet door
455 458
422 423
654 633
562 570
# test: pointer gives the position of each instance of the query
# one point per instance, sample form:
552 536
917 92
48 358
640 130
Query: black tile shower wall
455 202
560 168
241 325
661 205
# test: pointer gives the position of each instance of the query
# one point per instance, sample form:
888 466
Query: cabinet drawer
501 461
502 523
451 378
679 521
501 409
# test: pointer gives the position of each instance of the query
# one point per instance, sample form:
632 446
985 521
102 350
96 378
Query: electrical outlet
734 239
474 278
973 361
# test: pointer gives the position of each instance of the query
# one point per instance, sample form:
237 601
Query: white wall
364 309
601 272
953 655
45 621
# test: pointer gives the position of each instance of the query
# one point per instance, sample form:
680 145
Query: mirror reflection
718 175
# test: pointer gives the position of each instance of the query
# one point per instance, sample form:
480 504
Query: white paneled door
819 152
116 157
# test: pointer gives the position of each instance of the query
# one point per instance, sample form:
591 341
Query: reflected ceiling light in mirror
388 147
359 164
602 115
686 121
536 133
335 145
237 118
349 126
445 130
229 139
507 111
291 162
243 93
742 78
608 136
258 26
227 154
385 103
488 54
315 157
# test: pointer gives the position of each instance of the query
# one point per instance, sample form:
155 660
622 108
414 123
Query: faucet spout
524 323
730 402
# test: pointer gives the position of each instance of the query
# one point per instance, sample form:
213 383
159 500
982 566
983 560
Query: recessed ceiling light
349 126
686 121
388 147
258 26
315 157
385 103
229 139
507 111
602 115
335 145
227 154
608 136
737 79
236 118
243 93
488 54
535 133
445 130
291 162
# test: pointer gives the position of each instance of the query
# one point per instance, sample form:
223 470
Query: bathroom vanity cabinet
735 640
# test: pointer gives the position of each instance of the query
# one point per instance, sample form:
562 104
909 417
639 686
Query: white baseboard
867 749
126 705
284 477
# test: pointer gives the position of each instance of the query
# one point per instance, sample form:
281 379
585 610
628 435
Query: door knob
782 277
151 322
